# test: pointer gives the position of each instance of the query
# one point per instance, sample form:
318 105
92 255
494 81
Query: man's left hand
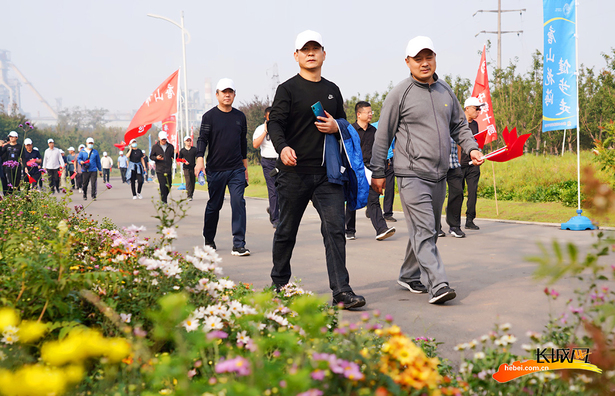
326 124
477 157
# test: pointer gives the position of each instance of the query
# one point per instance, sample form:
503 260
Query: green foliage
376 100
255 116
605 155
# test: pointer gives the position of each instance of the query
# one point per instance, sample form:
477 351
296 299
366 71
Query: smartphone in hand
318 110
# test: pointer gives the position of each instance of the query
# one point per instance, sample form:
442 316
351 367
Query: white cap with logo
162 135
305 37
89 140
50 141
71 148
27 141
418 44
13 134
225 83
472 101
187 138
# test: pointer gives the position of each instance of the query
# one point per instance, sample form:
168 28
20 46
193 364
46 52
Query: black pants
268 165
190 181
374 211
106 174
389 189
165 182
87 178
54 179
72 179
471 176
135 178
123 173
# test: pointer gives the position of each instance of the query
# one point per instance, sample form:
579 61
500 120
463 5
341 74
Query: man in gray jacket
423 114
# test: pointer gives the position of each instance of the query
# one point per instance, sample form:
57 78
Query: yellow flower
117 349
33 381
30 331
74 373
8 317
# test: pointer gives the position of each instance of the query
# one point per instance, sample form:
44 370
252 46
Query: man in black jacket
163 153
188 154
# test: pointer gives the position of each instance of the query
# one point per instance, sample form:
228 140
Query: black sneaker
85 198
366 213
211 244
240 251
349 300
414 286
350 236
385 234
456 232
391 219
471 226
441 233
443 295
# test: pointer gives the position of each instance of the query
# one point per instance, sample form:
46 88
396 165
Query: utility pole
499 31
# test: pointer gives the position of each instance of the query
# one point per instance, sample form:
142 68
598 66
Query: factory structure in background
12 80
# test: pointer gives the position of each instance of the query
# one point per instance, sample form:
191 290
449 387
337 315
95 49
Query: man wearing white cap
52 162
11 152
298 137
122 163
423 114
91 168
79 176
32 173
188 154
224 129
163 153
71 158
106 163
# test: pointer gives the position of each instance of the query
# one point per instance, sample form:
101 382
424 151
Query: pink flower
239 365
191 373
311 392
318 375
216 334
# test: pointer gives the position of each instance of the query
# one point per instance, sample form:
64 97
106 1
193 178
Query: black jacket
165 165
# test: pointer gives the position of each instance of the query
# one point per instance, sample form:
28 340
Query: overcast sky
109 54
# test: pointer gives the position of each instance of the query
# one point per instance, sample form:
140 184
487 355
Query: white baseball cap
225 83
89 140
121 152
104 153
162 135
187 138
50 141
133 141
71 148
417 44
81 146
13 134
61 151
472 101
27 141
305 37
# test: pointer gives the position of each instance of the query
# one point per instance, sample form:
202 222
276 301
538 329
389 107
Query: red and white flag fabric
159 105
485 120
169 125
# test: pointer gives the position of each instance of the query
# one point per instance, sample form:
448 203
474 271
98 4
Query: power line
499 32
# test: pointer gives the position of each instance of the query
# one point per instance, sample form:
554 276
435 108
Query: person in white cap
11 152
91 168
299 138
262 140
79 176
32 173
467 174
122 164
423 114
163 153
71 158
188 154
224 129
52 162
107 164
136 169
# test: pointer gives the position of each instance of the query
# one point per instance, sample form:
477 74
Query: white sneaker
139 196
134 197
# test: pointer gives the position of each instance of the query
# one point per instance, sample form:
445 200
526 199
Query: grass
525 172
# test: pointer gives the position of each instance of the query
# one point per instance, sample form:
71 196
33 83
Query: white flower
202 284
199 313
172 269
466 368
509 338
10 330
9 338
526 347
472 344
505 326
163 253
550 345
133 229
190 324
248 310
175 287
277 318
236 308
154 282
169 233
242 338
226 284
533 335
225 313
125 317
484 338
212 323
479 355
2 356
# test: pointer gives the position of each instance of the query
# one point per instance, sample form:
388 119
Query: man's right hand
288 156
378 185
199 167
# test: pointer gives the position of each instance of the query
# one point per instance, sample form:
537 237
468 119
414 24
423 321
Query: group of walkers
309 152
26 163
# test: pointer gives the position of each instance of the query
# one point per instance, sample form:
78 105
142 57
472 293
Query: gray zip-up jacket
422 117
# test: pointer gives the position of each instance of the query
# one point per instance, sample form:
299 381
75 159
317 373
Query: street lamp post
184 33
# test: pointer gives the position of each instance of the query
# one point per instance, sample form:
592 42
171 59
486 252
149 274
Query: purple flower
239 365
311 392
318 375
78 208
21 125
109 186
27 122
11 164
217 334
31 126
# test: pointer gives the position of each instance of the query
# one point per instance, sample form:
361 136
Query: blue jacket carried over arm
344 162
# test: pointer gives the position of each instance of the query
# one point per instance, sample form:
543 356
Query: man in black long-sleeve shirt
299 139
225 129
188 154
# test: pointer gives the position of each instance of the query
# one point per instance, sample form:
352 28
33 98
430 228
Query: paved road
487 268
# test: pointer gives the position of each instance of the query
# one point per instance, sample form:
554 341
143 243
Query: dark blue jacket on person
94 164
344 162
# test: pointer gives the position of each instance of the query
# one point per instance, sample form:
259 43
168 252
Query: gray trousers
422 202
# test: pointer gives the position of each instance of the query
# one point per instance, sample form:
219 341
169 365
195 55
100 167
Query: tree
255 113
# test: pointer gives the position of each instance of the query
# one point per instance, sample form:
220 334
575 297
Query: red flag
158 106
485 120
121 146
169 126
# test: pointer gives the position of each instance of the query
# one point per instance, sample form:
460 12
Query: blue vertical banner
559 91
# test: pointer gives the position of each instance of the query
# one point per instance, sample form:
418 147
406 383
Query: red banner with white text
485 120
169 125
